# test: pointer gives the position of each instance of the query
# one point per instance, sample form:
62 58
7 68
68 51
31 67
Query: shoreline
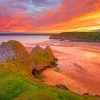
74 60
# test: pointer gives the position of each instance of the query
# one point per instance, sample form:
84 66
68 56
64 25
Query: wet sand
79 64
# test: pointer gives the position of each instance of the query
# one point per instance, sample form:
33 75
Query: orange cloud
80 15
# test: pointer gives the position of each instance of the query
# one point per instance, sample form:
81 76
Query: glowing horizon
49 15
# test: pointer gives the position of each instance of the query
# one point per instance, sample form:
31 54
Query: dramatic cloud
49 15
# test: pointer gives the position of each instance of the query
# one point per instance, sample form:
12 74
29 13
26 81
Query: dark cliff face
42 57
13 50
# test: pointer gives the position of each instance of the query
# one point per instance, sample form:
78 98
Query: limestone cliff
13 50
50 54
42 58
38 59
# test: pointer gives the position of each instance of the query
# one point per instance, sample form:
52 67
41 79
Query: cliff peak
48 50
37 49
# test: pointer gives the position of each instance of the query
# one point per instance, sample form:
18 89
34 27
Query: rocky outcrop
42 58
13 50
38 60
61 86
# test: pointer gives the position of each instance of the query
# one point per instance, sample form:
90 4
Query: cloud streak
49 15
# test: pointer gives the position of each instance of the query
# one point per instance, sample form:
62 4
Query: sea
25 39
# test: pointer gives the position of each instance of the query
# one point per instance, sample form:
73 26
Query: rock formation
38 60
61 86
50 54
42 58
13 50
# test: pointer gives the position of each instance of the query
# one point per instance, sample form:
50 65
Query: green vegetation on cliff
77 36
16 83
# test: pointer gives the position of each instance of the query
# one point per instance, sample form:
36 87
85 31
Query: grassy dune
17 83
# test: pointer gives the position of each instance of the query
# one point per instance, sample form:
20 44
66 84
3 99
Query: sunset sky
49 15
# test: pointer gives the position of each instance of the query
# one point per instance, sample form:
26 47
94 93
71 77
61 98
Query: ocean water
25 40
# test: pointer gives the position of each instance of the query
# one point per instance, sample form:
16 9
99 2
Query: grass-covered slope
77 36
17 83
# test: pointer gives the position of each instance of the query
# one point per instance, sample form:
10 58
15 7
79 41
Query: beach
79 64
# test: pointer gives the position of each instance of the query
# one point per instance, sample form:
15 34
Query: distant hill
78 36
21 33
